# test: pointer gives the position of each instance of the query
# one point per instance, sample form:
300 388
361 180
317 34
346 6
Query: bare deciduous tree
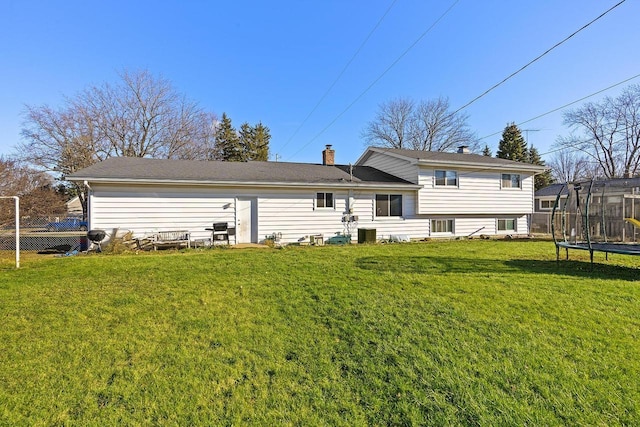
426 126
608 133
35 189
390 128
434 128
569 165
140 116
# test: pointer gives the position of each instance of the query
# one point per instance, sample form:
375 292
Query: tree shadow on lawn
434 265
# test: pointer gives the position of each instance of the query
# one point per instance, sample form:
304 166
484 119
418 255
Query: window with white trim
324 200
546 204
507 224
511 180
388 204
442 226
446 178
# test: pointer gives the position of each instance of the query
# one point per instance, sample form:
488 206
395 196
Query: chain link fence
43 233
541 223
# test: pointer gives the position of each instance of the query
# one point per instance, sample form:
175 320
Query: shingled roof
454 158
132 169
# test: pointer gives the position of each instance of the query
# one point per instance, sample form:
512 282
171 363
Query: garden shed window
388 205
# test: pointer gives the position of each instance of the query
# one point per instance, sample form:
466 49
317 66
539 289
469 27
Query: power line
344 69
378 78
536 58
566 105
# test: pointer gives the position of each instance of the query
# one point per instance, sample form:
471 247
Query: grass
440 333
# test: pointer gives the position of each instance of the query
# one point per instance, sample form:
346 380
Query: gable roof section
144 170
440 158
551 190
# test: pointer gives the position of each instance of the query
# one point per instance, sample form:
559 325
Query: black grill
97 236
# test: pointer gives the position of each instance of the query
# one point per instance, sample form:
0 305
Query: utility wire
339 75
536 59
566 105
377 79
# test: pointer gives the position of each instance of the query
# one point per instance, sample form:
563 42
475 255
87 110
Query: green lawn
439 333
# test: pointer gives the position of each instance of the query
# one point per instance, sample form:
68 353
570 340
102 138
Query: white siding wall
396 167
146 209
411 225
478 192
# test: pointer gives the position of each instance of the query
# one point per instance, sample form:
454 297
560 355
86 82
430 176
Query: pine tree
255 141
228 141
486 151
246 141
512 146
261 139
541 180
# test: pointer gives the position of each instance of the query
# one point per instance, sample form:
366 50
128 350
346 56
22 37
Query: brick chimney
463 149
328 156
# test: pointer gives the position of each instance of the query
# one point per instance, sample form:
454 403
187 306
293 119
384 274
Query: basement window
507 224
442 226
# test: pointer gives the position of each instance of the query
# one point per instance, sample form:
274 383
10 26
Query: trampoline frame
586 244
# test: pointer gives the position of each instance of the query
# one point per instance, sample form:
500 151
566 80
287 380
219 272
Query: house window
441 226
546 204
324 200
446 178
510 180
388 205
507 224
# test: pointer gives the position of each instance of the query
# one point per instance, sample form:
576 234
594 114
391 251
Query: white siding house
396 192
461 193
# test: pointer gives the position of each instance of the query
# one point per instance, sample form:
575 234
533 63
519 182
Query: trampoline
598 216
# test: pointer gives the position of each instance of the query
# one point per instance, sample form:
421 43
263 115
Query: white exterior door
247 220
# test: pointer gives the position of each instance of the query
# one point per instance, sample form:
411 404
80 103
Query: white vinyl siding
145 209
478 192
393 166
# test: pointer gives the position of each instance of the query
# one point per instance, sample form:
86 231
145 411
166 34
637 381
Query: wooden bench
167 239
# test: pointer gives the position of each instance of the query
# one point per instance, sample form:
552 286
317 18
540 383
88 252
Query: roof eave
259 184
483 166
370 150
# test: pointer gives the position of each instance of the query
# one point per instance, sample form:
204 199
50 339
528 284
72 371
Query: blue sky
273 61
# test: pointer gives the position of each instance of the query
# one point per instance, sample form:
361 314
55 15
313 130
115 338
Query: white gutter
319 184
484 166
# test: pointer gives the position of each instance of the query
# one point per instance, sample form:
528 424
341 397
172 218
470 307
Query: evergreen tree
512 146
255 141
228 141
246 137
261 139
541 180
486 151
